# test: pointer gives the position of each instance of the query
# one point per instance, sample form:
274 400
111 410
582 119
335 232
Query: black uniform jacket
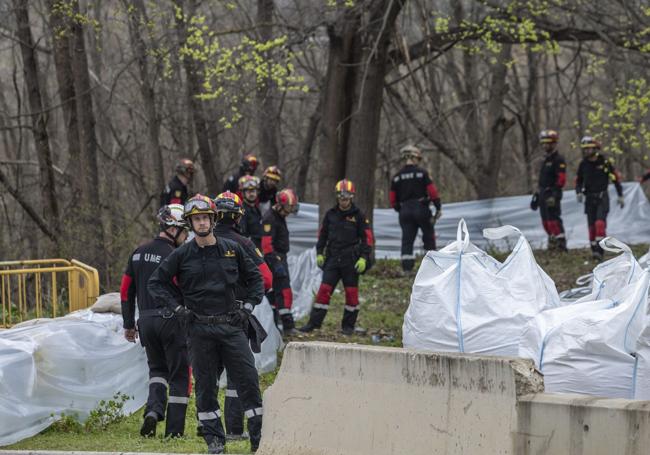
594 176
142 263
207 277
345 233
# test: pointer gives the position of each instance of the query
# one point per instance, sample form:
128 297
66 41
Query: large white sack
267 359
590 347
464 300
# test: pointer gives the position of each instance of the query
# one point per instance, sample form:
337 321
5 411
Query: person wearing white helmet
159 330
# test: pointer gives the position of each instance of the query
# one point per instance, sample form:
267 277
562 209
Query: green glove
360 266
320 260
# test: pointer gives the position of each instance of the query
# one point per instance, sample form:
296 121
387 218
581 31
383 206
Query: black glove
239 317
534 202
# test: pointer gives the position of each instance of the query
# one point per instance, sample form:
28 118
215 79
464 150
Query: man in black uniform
208 269
176 190
160 331
229 213
552 178
343 252
247 167
270 181
275 246
411 191
594 174
251 222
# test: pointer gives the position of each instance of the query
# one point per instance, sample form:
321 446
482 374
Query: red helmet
345 188
273 173
228 202
249 163
288 200
199 204
548 137
185 166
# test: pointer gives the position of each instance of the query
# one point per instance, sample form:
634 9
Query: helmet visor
344 195
198 205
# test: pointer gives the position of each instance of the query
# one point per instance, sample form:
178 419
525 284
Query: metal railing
45 288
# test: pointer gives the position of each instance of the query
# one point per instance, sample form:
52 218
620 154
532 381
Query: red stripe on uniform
267 276
561 179
432 191
352 296
370 239
287 296
324 294
175 200
267 244
392 198
124 287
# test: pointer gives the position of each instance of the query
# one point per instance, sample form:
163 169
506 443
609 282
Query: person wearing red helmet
595 172
343 251
208 270
176 191
275 246
248 166
269 186
251 222
548 198
229 216
158 328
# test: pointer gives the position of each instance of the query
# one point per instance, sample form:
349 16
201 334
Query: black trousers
214 345
165 344
414 215
550 209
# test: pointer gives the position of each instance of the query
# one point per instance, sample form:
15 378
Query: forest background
98 99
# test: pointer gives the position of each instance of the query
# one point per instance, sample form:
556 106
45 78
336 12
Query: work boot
315 320
255 430
552 243
349 321
237 437
287 322
148 429
216 446
561 244
596 251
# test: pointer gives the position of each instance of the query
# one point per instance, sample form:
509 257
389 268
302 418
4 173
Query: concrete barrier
348 399
567 424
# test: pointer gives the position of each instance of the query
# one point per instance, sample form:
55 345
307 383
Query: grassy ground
384 296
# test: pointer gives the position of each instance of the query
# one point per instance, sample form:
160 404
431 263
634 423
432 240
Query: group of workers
595 173
196 297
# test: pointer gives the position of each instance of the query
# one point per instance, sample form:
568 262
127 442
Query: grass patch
384 297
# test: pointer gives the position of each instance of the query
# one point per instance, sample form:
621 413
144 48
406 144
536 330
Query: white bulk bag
464 300
594 346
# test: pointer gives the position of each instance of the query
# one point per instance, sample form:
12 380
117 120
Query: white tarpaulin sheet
598 345
68 364
630 224
464 300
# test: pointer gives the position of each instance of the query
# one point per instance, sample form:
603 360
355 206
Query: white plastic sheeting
68 364
305 280
598 345
65 365
630 224
464 300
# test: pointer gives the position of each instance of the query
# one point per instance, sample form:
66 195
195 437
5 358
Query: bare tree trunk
137 17
336 108
90 175
267 112
498 126
369 91
306 150
60 29
39 121
208 162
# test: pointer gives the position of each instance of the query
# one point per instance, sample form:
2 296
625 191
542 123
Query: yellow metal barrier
33 289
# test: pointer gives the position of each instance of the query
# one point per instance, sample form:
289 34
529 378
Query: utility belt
596 196
164 313
221 318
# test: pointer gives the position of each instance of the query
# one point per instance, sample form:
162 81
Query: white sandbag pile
65 365
464 300
598 345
